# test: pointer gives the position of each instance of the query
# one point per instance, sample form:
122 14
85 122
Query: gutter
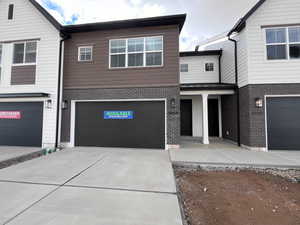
59 88
237 90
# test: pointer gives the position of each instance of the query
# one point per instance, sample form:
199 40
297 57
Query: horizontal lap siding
196 71
29 23
21 75
272 12
97 74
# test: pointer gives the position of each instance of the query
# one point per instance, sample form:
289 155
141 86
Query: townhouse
260 64
112 84
29 71
121 84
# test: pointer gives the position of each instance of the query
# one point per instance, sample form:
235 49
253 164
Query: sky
205 18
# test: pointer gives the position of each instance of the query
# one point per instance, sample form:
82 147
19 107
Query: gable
27 20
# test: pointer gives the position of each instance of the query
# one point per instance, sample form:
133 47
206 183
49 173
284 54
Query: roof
201 53
143 22
48 16
240 25
207 86
132 23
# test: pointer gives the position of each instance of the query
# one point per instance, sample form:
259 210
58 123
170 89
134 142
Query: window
10 11
283 43
136 52
85 53
25 53
209 67
184 68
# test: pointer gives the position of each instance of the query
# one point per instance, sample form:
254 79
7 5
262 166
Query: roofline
178 19
131 23
201 53
207 86
241 24
48 16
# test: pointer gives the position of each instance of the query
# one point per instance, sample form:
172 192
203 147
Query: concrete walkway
91 186
221 153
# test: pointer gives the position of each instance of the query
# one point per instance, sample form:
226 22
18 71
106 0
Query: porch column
205 119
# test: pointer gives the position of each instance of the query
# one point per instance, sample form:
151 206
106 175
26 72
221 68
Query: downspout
220 72
64 37
237 90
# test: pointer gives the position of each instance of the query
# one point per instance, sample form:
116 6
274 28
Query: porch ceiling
207 87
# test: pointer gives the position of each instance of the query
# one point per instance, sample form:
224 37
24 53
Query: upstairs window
136 52
209 67
184 68
10 11
85 54
283 43
25 53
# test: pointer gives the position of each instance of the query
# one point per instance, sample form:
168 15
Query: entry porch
202 112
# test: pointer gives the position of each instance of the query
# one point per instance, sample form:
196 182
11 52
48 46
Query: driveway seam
51 192
121 189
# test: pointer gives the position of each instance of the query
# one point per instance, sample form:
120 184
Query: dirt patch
238 198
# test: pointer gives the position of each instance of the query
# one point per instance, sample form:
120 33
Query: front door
213 117
186 117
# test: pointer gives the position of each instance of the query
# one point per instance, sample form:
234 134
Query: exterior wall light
173 103
49 104
64 104
258 102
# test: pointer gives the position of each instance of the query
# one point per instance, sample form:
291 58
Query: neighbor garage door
120 124
283 123
21 123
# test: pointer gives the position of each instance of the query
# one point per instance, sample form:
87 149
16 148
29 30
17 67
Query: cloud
79 11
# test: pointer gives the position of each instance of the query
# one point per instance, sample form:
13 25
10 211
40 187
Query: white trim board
73 114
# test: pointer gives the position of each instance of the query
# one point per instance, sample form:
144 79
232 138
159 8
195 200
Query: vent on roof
10 11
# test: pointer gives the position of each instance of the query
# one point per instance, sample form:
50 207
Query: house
29 72
73 84
260 55
121 84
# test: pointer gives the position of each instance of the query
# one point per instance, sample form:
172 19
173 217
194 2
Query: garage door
283 123
21 123
120 124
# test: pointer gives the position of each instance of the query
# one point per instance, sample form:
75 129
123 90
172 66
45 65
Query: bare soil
238 198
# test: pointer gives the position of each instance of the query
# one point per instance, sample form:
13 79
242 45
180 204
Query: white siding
272 12
242 53
227 60
197 73
29 23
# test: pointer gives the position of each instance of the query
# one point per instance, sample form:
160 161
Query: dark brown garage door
120 124
283 123
21 123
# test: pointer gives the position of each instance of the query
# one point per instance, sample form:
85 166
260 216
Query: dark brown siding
21 75
97 74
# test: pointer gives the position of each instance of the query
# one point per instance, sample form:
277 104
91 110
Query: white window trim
287 43
85 46
24 63
144 53
206 71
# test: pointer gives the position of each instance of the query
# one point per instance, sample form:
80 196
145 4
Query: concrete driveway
91 186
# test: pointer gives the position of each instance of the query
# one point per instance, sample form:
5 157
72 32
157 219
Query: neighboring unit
29 62
268 64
